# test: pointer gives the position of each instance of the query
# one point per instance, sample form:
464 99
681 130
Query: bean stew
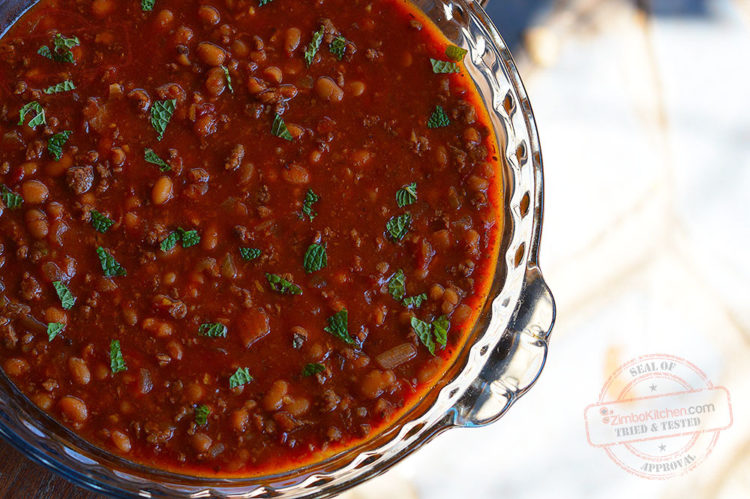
238 236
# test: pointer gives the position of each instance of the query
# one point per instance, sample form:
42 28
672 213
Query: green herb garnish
201 414
398 226
11 200
281 285
240 377
213 330
228 78
315 258
424 333
415 301
312 369
438 118
249 253
150 156
62 46
261 3
170 241
147 5
428 334
397 285
116 360
38 117
161 113
56 142
53 329
338 47
110 266
338 325
310 199
440 326
455 53
279 128
406 195
313 47
101 223
67 300
60 87
442 67
189 237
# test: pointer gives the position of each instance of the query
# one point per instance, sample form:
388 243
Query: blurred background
643 109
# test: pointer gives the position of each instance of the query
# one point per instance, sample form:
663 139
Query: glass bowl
502 359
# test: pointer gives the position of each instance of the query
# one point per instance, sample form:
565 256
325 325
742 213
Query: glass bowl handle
516 361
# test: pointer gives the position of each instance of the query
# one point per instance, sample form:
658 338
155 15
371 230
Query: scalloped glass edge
516 356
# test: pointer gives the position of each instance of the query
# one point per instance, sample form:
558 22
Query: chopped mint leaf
201 414
67 300
249 253
455 53
442 67
397 285
56 142
147 5
38 117
189 237
53 329
101 223
313 47
339 327
228 78
61 52
11 200
110 266
150 156
310 199
116 360
170 241
438 118
279 128
240 377
338 47
424 333
441 325
415 301
281 285
312 369
315 259
63 86
213 330
406 195
398 226
161 114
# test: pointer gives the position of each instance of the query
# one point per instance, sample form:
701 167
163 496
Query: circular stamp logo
658 416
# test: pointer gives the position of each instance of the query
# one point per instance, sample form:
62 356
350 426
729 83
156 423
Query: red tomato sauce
238 238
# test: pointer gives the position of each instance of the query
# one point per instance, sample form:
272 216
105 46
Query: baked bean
472 240
275 395
461 314
29 167
158 328
162 190
273 74
210 238
209 15
36 224
194 392
376 382
216 81
79 371
55 314
201 442
43 401
34 192
357 88
292 39
210 54
328 90
240 48
118 156
442 239
239 420
471 136
174 349
103 8
131 220
164 18
16 367
478 184
205 125
297 406
295 174
121 441
182 35
74 409
436 292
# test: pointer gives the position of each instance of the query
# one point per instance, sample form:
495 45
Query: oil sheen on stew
237 238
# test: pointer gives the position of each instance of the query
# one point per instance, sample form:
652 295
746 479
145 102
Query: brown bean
328 90
194 392
376 382
205 125
462 314
121 441
56 314
256 85
201 442
239 420
162 190
357 88
16 367
295 174
216 81
209 14
174 349
74 409
79 371
164 18
275 395
182 35
273 74
43 400
211 54
36 223
472 136
102 8
297 406
478 184
292 39
210 238
240 48
34 192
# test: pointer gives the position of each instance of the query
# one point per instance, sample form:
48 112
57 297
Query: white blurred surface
645 128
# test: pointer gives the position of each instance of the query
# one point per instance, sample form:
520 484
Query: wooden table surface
22 479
